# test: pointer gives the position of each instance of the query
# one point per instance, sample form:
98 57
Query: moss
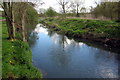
17 58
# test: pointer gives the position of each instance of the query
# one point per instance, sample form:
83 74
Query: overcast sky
56 6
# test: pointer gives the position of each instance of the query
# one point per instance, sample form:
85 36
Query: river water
57 56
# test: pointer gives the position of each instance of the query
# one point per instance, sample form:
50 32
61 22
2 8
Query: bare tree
83 10
63 4
36 3
76 6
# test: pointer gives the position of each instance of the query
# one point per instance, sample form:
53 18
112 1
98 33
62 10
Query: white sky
54 4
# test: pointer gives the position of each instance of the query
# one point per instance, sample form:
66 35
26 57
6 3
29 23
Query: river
57 56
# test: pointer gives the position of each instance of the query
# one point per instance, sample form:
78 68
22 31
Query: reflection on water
60 57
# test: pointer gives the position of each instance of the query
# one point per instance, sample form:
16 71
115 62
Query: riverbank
17 58
105 33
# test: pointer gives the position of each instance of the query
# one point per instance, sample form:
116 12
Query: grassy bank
16 58
2 17
103 32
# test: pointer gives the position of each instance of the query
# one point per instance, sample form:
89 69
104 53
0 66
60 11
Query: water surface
59 57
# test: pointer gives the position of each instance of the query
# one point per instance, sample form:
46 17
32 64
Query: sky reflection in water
60 57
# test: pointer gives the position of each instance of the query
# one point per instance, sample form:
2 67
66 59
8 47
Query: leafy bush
50 12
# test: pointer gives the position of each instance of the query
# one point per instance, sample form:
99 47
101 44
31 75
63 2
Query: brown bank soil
111 42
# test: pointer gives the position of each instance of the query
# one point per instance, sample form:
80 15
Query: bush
50 12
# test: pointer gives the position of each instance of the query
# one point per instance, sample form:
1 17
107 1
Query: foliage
16 55
31 17
107 9
16 58
50 12
108 29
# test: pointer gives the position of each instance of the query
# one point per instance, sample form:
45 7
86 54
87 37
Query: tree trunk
11 32
23 27
7 6
12 20
8 28
13 23
77 15
63 6
118 11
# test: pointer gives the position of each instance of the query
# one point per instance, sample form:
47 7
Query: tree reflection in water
63 57
62 54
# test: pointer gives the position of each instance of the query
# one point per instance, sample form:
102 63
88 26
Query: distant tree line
109 10
50 12
67 8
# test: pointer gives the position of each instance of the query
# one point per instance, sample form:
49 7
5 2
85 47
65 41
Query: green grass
2 17
98 28
17 58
